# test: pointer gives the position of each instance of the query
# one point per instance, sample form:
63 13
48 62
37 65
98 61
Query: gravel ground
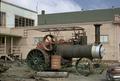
20 72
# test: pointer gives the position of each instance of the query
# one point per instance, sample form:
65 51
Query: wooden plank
52 74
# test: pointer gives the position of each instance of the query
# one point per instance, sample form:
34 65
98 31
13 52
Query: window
104 38
22 21
2 19
2 40
37 39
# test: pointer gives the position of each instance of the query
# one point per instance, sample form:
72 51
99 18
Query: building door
5 45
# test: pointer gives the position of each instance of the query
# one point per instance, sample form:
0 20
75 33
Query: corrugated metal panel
78 17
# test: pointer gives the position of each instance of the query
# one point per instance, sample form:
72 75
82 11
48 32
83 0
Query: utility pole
37 5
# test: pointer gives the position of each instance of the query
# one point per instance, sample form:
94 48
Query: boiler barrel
79 51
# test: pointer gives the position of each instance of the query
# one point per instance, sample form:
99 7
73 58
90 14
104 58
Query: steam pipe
80 51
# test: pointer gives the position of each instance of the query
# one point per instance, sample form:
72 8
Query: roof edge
18 6
82 11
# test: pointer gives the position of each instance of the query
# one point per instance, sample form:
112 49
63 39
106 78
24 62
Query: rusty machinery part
61 41
84 66
39 45
37 60
48 42
87 66
55 62
80 51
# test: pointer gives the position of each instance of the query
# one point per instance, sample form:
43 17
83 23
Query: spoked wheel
109 77
36 60
98 66
84 66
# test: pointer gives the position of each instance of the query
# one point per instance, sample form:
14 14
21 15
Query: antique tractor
52 54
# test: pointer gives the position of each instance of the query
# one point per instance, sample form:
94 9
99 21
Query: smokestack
97 33
43 12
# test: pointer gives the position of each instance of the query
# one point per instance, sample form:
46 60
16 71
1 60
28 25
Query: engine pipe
80 51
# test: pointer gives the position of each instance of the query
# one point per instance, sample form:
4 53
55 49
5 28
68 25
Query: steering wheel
48 42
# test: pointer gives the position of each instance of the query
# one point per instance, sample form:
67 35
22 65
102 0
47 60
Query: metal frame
56 30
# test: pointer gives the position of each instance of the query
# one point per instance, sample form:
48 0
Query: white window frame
104 38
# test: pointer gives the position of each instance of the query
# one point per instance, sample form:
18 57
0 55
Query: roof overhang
9 35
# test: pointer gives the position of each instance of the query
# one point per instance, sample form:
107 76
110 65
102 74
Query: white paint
11 11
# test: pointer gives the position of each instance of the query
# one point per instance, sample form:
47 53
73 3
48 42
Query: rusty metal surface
55 62
80 51
74 51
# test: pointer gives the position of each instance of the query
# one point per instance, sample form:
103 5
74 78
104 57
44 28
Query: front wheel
109 77
84 66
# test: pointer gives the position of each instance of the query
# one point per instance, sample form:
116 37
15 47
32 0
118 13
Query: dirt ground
20 72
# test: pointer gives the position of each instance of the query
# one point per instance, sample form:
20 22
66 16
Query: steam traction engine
53 54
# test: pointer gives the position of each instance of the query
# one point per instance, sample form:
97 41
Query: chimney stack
43 12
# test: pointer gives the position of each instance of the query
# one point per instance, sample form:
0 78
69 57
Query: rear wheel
36 60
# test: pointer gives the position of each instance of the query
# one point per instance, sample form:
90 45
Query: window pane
101 38
2 19
27 22
37 40
104 39
22 21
